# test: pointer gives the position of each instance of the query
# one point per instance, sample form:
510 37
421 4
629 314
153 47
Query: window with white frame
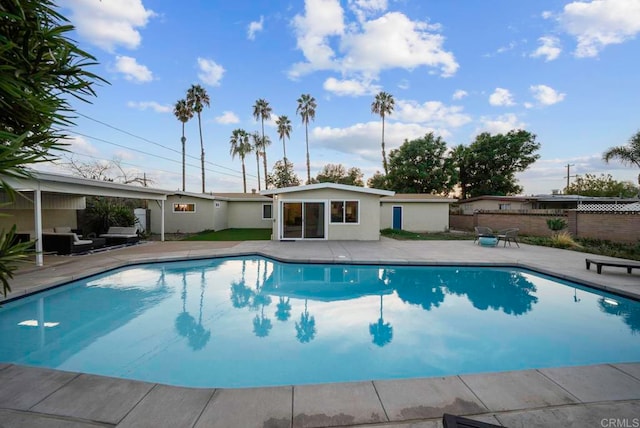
504 206
345 212
184 208
267 211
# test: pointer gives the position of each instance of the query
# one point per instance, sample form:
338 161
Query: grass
232 235
403 235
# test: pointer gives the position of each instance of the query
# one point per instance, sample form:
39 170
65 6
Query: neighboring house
186 212
535 202
415 212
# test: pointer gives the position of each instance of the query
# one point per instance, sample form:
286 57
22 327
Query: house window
184 208
344 212
267 211
504 206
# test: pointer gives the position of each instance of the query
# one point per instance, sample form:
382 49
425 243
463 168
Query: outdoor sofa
69 243
117 235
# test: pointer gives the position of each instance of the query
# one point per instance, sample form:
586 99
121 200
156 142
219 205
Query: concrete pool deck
605 395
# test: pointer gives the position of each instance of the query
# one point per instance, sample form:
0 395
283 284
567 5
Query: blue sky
565 71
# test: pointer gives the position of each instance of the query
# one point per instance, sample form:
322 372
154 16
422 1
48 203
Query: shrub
556 224
564 240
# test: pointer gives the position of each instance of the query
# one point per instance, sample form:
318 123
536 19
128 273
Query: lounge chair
117 235
508 235
482 231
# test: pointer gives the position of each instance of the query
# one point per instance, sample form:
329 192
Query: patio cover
64 184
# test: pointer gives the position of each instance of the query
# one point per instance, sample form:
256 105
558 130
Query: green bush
102 213
556 224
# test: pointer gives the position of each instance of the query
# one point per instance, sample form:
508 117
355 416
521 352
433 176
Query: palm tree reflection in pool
284 309
381 331
184 321
200 336
306 328
261 324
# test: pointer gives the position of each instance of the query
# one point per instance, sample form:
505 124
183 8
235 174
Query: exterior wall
417 216
220 215
490 204
368 228
461 222
25 222
183 222
615 227
529 224
247 215
23 201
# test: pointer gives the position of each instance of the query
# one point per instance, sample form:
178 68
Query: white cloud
366 47
108 24
459 94
254 27
546 95
404 84
501 97
227 118
210 72
501 124
599 23
350 87
144 105
78 144
549 48
433 113
132 70
364 8
546 14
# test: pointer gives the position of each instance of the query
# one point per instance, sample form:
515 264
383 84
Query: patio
570 396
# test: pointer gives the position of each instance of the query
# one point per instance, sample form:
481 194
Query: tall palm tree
257 148
240 146
307 110
184 114
284 131
629 154
197 98
383 105
262 111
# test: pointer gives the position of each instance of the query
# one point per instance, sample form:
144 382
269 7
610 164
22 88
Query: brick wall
461 222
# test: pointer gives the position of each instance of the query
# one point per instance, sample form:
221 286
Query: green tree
183 113
257 149
378 181
262 111
284 131
307 111
241 147
604 185
283 175
197 98
383 105
337 173
489 164
422 166
41 70
629 154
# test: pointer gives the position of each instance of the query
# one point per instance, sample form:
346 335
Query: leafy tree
262 111
241 147
604 185
307 110
383 105
41 70
183 113
629 154
488 166
103 212
336 173
257 149
283 176
284 131
197 98
422 166
378 181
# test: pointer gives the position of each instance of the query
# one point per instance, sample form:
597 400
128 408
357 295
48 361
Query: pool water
241 322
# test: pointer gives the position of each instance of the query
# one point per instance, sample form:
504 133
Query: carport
47 183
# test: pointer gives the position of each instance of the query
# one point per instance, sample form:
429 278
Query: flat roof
334 186
417 197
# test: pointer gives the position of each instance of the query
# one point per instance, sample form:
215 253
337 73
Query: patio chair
482 231
508 235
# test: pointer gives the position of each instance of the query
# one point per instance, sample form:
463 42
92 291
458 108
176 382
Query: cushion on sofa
62 229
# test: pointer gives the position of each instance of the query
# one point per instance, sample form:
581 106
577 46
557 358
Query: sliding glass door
303 220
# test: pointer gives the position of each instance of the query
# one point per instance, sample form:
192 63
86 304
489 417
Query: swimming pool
240 322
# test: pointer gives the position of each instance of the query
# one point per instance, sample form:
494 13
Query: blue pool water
239 322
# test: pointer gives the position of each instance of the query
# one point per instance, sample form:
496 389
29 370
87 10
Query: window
267 211
504 206
184 208
344 212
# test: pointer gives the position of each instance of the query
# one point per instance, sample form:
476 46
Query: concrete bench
615 263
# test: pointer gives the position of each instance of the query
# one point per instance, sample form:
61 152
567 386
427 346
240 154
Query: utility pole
569 165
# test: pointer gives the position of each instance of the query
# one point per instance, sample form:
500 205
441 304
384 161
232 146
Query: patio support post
37 215
162 221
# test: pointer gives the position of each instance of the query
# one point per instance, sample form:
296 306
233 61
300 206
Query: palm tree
284 131
262 111
197 98
184 114
629 154
307 110
383 106
257 148
240 146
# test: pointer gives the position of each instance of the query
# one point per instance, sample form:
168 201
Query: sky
566 71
